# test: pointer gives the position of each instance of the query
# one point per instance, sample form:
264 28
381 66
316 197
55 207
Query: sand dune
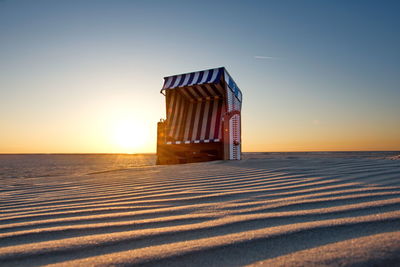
290 211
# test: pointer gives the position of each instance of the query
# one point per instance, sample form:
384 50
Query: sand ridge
289 211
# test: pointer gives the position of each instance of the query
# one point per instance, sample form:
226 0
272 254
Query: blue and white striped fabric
194 78
232 85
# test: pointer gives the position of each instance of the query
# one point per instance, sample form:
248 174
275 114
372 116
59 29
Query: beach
269 209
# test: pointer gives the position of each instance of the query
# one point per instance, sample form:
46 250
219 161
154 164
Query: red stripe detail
188 120
178 121
217 130
183 120
191 127
200 124
171 109
209 117
174 115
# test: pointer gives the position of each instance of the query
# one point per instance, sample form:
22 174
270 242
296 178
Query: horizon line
154 153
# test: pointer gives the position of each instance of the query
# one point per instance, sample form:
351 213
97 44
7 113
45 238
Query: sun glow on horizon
129 136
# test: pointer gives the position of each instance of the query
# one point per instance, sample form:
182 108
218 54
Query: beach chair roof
200 80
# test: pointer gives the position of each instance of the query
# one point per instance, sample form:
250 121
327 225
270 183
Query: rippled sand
289 211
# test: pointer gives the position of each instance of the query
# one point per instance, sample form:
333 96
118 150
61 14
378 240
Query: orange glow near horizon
108 124
118 124
129 136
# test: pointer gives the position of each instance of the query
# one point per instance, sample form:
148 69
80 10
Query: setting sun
129 136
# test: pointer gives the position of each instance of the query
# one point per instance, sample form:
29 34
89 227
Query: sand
289 211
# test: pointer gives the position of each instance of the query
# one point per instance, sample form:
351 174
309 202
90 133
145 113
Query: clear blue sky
315 75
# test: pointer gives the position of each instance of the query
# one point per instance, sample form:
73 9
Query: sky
85 76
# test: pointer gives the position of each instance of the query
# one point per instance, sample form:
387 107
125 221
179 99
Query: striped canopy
205 83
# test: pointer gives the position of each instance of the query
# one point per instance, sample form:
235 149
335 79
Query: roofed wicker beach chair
203 119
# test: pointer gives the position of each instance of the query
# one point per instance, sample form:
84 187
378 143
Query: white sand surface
261 211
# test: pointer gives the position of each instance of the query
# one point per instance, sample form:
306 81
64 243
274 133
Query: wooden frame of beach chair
203 119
